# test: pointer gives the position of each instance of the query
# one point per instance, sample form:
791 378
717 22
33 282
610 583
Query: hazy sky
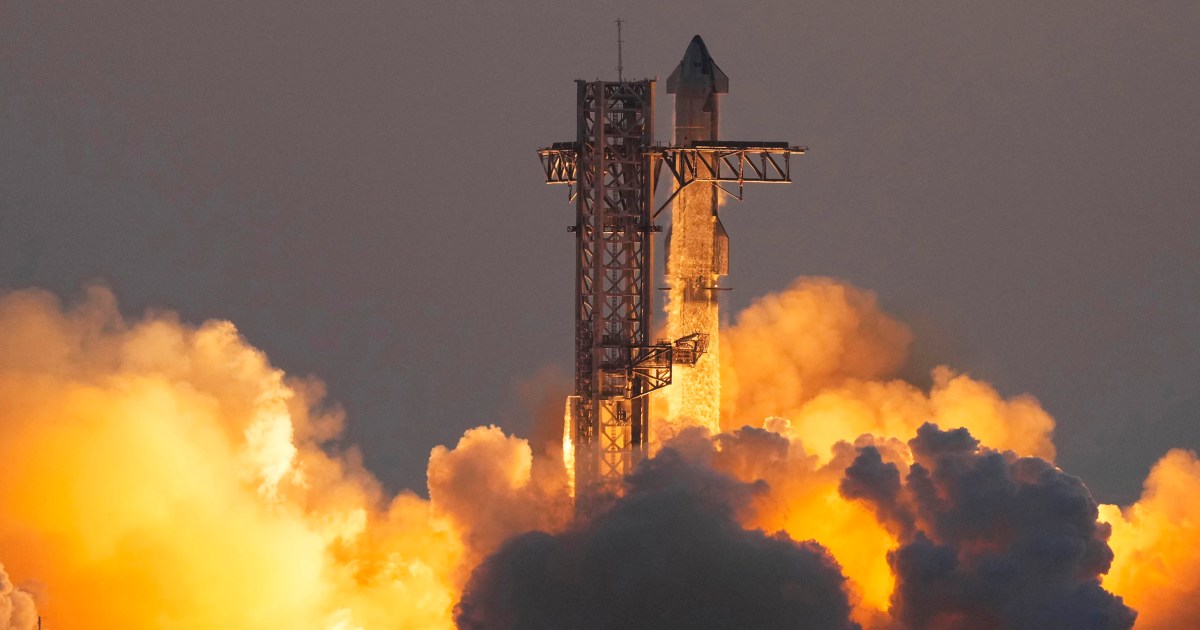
355 185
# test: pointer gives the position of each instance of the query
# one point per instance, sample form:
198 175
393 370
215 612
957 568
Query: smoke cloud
988 539
158 474
163 474
17 609
487 488
669 554
1157 545
824 356
818 364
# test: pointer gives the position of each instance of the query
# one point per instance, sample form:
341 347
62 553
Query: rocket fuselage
696 84
697 246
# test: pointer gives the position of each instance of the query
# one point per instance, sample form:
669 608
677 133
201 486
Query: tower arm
719 162
560 161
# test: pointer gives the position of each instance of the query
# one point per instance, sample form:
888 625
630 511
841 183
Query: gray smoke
988 539
668 554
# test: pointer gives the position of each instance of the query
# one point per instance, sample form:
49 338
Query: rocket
696 83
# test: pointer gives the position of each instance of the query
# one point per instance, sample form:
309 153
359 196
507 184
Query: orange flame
568 446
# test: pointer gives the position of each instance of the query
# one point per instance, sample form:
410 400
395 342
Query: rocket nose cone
696 58
697 70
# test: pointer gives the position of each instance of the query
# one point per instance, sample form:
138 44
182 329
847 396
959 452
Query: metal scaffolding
608 168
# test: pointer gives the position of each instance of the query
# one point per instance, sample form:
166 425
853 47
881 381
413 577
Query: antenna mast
620 67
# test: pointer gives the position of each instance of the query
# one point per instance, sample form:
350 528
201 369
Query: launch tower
611 170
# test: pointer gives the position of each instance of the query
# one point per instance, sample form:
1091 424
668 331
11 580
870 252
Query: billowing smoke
1157 546
824 356
670 553
159 474
988 539
487 487
819 363
17 609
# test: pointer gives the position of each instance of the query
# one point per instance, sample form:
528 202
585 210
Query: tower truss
615 363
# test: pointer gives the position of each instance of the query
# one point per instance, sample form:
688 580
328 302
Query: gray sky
354 184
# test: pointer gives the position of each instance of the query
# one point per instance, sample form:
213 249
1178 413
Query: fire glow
160 474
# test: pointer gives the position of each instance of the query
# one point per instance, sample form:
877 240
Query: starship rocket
697 245
696 83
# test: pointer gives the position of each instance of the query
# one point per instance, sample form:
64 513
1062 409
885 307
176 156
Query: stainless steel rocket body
697 83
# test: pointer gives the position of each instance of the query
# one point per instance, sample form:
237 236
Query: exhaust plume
166 475
487 488
668 554
170 477
1157 545
818 364
17 609
988 539
824 356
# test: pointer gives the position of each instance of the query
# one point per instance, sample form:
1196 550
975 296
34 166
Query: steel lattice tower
613 277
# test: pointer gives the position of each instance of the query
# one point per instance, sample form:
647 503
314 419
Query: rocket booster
696 82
